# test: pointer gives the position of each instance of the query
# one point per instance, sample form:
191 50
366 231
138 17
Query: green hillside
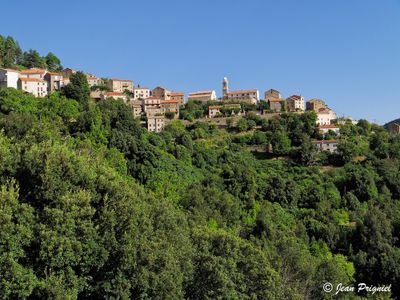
94 206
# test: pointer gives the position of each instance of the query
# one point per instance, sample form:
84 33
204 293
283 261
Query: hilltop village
156 107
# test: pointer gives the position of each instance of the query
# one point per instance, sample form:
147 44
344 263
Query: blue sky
346 52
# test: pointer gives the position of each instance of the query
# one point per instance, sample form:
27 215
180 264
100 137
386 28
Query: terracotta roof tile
177 94
31 79
33 71
115 94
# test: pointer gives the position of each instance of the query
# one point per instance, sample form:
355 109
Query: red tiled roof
168 101
177 94
33 71
31 79
115 94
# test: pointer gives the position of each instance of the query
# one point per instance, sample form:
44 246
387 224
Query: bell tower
225 88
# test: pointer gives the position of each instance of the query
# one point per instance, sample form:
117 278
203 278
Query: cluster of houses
38 82
159 105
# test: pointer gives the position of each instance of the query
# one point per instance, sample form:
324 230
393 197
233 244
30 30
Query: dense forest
12 56
94 206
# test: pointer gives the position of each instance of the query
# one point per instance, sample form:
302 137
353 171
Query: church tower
225 88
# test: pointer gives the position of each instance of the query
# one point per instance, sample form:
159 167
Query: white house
141 92
34 86
325 116
9 78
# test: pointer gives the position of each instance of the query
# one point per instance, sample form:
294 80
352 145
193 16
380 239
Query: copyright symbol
327 287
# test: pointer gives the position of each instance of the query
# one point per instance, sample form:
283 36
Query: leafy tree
32 59
242 125
78 89
280 142
307 152
228 267
230 122
10 52
53 63
170 115
17 221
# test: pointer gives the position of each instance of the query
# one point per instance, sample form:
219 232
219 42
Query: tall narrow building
225 88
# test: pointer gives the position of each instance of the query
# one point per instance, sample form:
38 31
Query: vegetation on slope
94 206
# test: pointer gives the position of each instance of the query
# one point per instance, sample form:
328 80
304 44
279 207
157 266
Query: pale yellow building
120 85
93 80
178 96
170 106
155 123
151 102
